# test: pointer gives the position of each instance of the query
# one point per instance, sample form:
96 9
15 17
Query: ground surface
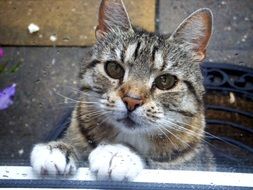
46 71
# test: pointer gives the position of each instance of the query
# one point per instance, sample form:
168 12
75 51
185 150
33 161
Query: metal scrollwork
228 77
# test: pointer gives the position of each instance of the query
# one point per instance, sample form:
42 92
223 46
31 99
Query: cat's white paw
116 162
47 159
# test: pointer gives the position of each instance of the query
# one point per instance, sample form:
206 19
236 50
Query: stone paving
232 40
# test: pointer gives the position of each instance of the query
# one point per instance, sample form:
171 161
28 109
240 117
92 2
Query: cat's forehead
145 52
155 52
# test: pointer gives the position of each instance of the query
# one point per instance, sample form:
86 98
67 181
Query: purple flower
1 52
6 96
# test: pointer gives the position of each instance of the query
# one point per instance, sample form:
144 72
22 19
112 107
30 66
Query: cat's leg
60 157
115 162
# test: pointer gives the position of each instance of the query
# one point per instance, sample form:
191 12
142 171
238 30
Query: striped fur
168 128
145 56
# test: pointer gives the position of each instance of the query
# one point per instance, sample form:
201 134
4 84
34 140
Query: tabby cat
141 101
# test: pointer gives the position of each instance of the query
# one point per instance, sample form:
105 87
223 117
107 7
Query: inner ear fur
112 14
196 30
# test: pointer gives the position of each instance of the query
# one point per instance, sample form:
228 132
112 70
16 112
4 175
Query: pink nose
132 103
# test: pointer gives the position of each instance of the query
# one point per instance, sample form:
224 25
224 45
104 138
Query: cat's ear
112 14
196 30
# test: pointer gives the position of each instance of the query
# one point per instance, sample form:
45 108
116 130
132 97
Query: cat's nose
132 103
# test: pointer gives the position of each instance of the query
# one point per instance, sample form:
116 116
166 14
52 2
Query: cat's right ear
112 15
196 30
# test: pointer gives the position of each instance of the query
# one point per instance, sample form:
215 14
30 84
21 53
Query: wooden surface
73 21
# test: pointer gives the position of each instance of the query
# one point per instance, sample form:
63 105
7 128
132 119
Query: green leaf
2 67
15 67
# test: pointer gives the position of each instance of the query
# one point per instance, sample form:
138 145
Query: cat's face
142 81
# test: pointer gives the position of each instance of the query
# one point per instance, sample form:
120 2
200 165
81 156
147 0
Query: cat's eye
165 82
114 70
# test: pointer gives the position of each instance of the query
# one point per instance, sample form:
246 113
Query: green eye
165 82
114 70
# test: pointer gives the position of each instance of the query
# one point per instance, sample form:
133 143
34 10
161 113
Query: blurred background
39 68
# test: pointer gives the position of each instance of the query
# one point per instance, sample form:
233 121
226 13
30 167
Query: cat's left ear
112 14
196 31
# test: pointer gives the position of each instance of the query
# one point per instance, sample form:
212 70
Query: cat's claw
115 162
47 159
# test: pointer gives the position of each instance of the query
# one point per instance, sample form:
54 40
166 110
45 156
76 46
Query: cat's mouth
128 122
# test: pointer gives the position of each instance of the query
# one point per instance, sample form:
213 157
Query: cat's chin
128 123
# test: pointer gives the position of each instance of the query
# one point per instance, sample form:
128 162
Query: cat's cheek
87 80
140 116
118 108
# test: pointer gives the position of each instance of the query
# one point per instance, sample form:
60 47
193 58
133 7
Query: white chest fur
138 141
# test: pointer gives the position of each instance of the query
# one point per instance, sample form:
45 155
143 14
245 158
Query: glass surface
39 86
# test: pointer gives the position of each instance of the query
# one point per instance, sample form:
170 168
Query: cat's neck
158 147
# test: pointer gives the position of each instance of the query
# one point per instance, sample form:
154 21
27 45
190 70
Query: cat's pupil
164 80
116 68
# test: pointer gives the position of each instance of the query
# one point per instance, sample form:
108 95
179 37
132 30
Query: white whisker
195 127
175 146
83 92
167 130
68 98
